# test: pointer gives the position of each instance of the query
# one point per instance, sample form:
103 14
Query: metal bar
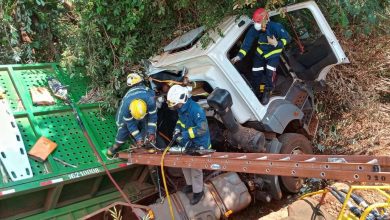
296 166
52 197
96 185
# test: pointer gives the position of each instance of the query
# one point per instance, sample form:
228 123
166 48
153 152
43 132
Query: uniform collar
185 106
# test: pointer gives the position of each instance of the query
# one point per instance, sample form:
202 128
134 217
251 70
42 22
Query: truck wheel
293 143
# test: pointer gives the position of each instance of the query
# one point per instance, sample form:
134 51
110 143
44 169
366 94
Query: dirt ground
354 113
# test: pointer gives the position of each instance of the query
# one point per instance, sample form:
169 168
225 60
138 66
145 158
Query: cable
163 177
165 183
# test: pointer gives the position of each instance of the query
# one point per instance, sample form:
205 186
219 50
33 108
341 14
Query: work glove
139 143
179 139
273 41
159 101
235 59
176 133
151 138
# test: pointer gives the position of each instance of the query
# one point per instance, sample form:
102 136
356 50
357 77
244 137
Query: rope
300 45
167 81
81 124
164 136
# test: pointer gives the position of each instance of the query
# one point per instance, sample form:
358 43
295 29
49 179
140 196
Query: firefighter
271 39
193 135
136 116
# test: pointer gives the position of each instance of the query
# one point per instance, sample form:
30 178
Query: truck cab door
314 48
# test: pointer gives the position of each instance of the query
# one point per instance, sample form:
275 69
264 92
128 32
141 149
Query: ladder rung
373 161
311 159
286 158
337 160
262 158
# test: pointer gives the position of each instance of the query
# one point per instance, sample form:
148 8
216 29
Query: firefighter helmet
138 109
133 79
260 15
177 94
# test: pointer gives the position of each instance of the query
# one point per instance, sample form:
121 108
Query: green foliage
112 37
358 16
30 31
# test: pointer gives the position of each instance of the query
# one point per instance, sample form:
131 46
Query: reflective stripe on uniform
134 133
127 119
209 146
119 142
284 41
181 124
152 112
243 52
262 86
257 68
191 133
152 124
259 51
273 52
271 68
262 43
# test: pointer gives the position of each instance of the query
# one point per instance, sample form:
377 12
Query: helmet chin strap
264 24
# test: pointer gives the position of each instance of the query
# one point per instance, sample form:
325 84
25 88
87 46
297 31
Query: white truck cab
222 88
297 74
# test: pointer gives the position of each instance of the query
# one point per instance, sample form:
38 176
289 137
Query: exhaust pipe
245 138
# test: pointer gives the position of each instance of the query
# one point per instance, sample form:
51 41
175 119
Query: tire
293 143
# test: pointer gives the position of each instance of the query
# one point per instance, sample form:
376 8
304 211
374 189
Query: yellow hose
165 183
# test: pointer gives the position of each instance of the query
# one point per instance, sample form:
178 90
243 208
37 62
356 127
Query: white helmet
177 94
134 78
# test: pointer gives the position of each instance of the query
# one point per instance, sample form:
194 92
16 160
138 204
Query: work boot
259 95
187 189
196 198
265 98
113 150
260 92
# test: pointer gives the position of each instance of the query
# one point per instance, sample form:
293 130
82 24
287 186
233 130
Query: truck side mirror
220 99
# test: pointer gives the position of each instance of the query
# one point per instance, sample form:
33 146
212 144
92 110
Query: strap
218 200
179 207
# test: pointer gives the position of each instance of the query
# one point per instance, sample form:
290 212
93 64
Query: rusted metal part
179 207
337 167
300 98
313 125
247 139
218 200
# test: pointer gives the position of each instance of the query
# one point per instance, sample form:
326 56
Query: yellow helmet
138 109
133 78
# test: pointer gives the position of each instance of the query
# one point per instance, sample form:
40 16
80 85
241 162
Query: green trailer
57 191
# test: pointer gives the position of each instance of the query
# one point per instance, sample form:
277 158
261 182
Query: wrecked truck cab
304 65
235 115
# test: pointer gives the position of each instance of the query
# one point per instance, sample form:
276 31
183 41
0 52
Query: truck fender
279 114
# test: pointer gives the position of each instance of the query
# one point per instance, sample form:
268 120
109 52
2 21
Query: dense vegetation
109 37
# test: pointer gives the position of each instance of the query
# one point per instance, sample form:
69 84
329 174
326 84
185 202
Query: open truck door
314 48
